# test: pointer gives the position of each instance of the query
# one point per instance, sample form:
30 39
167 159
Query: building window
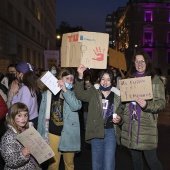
168 72
148 38
10 12
42 38
150 54
19 20
108 29
38 15
27 26
168 37
33 32
19 51
38 35
28 55
168 40
108 23
168 57
33 7
148 16
34 54
42 20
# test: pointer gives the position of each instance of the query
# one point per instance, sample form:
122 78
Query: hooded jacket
148 132
95 122
70 135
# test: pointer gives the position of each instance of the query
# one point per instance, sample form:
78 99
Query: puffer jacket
95 123
148 134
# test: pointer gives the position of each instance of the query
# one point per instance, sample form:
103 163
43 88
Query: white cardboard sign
51 82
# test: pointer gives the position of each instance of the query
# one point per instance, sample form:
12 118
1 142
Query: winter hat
24 67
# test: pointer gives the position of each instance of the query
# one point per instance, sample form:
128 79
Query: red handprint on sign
99 54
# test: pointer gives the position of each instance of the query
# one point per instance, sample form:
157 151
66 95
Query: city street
123 157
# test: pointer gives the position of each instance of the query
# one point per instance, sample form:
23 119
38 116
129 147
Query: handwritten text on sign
133 88
36 144
87 48
51 82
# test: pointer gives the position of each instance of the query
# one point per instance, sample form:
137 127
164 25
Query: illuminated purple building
145 24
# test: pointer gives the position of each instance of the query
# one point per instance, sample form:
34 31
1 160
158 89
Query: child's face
21 118
105 80
68 79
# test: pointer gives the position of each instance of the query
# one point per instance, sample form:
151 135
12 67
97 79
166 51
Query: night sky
90 14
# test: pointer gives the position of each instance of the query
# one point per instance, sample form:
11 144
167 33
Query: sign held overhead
117 59
87 48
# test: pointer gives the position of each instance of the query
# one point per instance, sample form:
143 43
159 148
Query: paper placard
132 88
87 48
51 82
51 57
32 140
117 59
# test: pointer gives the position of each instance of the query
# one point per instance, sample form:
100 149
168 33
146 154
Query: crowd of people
25 101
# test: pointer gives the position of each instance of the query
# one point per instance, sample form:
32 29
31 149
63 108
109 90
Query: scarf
135 111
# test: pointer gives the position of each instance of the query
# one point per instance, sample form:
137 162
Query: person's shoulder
157 79
9 135
3 87
4 78
4 81
24 88
116 91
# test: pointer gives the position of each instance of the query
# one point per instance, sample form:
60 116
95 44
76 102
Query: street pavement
123 157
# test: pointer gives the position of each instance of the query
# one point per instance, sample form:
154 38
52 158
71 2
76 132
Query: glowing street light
58 36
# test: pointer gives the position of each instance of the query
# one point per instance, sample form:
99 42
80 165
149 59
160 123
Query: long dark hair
149 68
30 80
109 72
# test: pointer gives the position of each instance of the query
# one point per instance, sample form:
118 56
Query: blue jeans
103 151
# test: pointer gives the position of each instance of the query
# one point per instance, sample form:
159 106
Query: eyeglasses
139 61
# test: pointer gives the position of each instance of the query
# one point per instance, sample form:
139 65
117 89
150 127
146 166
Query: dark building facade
27 28
110 24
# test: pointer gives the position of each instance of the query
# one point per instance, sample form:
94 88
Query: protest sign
32 140
51 82
132 88
87 48
117 59
51 57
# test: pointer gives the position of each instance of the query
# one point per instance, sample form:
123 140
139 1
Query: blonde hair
13 111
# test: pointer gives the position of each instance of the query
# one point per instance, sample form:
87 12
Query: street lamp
58 37
58 41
